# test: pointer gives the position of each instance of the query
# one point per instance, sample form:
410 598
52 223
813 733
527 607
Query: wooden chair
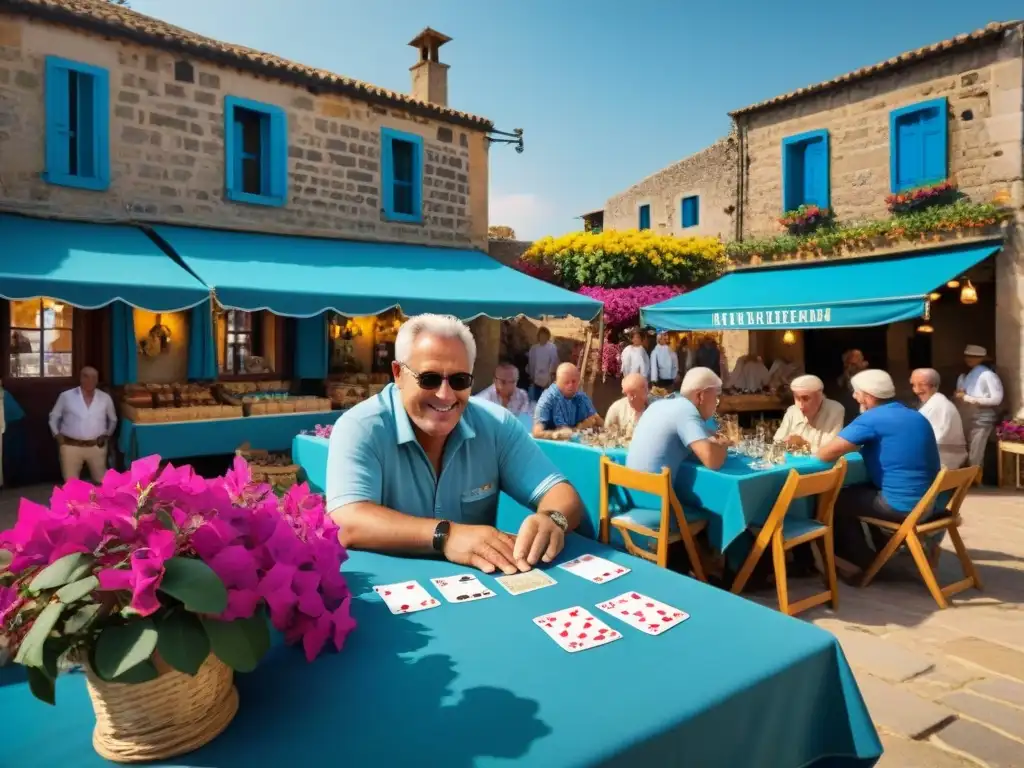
957 481
784 533
665 524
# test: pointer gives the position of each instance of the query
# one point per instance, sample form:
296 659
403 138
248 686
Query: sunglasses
431 380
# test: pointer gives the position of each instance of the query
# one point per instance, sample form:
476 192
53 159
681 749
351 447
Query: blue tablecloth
310 453
216 437
477 684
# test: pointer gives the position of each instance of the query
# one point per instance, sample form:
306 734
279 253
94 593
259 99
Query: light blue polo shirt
374 456
664 434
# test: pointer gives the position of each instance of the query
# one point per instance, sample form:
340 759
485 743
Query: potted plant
919 198
804 219
162 584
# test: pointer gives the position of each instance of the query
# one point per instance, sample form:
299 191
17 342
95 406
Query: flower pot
169 716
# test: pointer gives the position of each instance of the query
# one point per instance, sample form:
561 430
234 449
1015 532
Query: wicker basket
169 716
281 476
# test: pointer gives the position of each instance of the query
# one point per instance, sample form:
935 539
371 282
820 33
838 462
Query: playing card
406 597
595 569
644 613
462 588
576 629
518 583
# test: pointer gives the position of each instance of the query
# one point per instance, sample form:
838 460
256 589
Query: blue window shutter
690 211
805 170
933 144
388 137
645 217
232 148
278 155
101 127
918 145
417 180
387 175
814 171
910 152
58 124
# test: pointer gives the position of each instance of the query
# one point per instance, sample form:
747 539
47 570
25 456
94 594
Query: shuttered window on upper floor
689 214
805 170
77 133
644 215
255 152
918 145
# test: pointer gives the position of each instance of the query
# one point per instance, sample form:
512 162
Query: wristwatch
441 536
558 519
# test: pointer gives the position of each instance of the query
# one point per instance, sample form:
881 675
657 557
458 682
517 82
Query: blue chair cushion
647 517
793 527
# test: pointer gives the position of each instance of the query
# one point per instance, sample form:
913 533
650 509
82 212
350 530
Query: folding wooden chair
665 524
959 481
784 533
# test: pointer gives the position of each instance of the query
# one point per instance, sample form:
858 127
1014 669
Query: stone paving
945 688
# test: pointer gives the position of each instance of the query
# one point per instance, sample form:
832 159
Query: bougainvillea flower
307 587
236 567
276 589
9 602
145 572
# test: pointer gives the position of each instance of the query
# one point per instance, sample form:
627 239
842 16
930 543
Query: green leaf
118 649
195 584
63 571
42 685
142 672
168 522
182 641
30 653
81 618
76 590
6 558
240 643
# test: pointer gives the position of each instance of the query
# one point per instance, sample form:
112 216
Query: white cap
875 383
973 350
808 383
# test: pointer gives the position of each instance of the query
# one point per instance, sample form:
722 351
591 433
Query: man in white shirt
625 412
813 420
82 422
664 364
542 363
505 392
942 415
634 357
981 394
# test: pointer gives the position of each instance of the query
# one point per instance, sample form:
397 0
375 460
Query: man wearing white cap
901 457
981 393
813 419
942 415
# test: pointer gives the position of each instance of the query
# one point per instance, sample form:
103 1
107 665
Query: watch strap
440 538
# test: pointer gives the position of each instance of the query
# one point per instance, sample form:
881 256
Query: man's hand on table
482 547
540 538
795 441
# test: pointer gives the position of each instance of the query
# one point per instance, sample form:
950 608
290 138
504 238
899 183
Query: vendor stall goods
353 388
269 397
167 403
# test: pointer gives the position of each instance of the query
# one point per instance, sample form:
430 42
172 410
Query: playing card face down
644 613
575 629
595 569
462 588
518 583
406 597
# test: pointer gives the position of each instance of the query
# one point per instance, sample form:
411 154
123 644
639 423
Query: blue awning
827 294
91 265
303 277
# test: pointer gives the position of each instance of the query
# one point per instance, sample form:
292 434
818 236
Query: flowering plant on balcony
1011 431
622 305
164 564
320 430
805 219
921 197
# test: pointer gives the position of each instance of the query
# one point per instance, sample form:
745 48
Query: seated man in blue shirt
900 455
673 429
563 408
418 468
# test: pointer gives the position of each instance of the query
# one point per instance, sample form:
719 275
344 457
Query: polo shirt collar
404 432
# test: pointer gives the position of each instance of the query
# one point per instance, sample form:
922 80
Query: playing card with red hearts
595 569
406 597
576 629
644 613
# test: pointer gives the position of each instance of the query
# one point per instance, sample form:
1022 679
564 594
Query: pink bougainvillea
622 305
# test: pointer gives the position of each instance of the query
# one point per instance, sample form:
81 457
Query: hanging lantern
926 327
789 337
953 284
934 296
968 294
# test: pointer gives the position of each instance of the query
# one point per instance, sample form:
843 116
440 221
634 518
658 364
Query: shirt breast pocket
480 504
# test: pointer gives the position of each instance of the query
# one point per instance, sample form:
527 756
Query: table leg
999 469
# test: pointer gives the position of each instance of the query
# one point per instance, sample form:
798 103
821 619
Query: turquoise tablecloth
477 684
216 437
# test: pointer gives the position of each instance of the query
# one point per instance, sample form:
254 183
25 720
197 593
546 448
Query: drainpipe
741 176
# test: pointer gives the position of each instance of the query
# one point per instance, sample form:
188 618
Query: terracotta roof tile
992 30
117 21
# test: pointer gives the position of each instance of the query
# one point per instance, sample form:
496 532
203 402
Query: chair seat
649 518
795 527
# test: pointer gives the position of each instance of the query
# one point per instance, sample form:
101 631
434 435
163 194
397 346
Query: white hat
807 383
973 350
875 383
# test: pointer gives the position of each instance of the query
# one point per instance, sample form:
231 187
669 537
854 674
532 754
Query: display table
477 684
750 403
216 437
1016 451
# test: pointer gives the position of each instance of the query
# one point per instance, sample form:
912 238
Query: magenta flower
9 603
144 574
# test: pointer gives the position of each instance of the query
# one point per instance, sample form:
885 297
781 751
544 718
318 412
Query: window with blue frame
255 152
402 175
77 124
918 145
645 217
690 213
805 170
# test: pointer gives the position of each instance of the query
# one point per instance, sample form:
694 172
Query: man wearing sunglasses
419 468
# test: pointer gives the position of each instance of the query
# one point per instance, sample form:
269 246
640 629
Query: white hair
807 383
698 379
507 366
442 326
930 375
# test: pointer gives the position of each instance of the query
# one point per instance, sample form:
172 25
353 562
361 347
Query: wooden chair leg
826 547
965 559
917 551
934 552
779 560
663 549
883 557
748 565
693 554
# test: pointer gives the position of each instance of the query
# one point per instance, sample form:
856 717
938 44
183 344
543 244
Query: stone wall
167 148
710 173
507 251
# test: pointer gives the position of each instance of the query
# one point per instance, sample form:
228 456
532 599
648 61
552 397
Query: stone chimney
429 75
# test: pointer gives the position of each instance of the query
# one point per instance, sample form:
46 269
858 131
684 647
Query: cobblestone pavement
945 688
